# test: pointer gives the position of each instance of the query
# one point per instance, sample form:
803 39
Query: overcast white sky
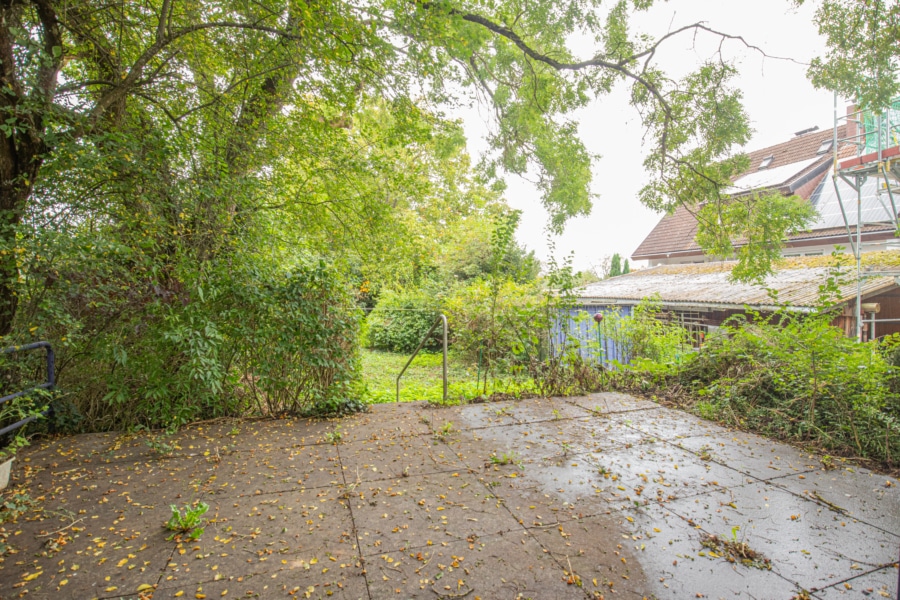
777 96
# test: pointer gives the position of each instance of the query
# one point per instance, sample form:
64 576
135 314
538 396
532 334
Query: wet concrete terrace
603 496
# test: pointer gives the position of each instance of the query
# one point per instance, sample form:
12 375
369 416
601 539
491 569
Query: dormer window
766 162
825 147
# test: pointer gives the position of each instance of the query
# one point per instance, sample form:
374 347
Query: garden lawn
423 379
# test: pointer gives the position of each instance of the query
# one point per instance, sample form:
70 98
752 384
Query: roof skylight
825 147
766 162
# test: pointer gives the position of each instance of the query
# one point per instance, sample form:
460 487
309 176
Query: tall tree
615 265
626 269
862 55
78 76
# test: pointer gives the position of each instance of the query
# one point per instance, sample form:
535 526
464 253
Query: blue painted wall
579 323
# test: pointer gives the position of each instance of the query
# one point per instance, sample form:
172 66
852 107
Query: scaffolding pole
871 134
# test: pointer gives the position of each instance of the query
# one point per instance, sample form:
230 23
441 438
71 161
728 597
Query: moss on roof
886 258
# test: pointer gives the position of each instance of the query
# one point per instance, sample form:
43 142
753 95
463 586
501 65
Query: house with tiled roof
855 189
800 166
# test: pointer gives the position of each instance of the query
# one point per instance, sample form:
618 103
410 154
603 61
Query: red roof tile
676 232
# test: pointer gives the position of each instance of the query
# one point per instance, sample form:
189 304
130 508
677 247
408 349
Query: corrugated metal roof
708 285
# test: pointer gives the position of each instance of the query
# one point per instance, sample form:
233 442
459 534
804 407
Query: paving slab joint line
525 529
592 412
721 463
871 523
359 554
849 579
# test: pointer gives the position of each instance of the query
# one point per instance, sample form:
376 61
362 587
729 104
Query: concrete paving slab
511 565
549 493
850 493
526 444
750 454
615 430
678 566
276 469
267 533
611 402
658 472
296 582
91 447
55 448
385 421
805 544
391 458
533 410
292 513
665 424
119 485
479 416
256 434
64 555
874 584
413 511
594 549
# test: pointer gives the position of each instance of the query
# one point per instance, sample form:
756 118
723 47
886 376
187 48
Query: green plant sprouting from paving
445 430
187 522
507 458
734 550
334 436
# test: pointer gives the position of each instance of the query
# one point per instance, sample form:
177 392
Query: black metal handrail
47 385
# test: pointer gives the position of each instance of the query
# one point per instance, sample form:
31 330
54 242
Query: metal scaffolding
869 149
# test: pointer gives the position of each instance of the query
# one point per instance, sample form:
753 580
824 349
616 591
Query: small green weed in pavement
189 522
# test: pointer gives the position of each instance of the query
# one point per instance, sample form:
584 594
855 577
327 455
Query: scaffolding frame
876 138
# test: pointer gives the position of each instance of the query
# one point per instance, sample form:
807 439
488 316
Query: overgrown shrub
140 342
299 351
402 318
496 324
797 377
645 335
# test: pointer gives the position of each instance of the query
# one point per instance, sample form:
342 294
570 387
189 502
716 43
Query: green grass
423 380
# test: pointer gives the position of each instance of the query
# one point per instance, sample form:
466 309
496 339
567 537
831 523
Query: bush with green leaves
402 318
299 351
796 376
498 326
645 337
243 335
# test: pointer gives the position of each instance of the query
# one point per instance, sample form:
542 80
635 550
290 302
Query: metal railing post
442 319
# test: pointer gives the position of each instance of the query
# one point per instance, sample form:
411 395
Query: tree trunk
19 165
